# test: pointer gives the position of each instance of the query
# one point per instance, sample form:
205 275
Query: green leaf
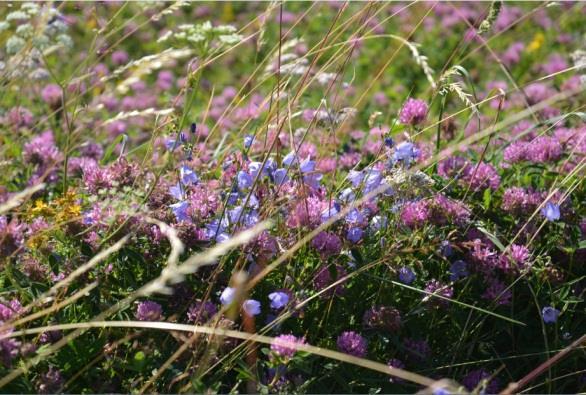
139 356
486 198
491 236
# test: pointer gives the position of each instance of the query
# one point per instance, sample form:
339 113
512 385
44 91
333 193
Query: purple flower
188 176
413 112
165 80
180 211
513 54
290 159
434 287
458 269
551 211
475 377
9 349
406 275
441 391
415 214
378 223
11 236
355 177
550 314
328 212
171 144
352 343
327 244
52 94
244 180
520 255
354 234
347 195
119 57
382 317
307 165
278 299
446 249
177 191
251 307
405 152
285 346
355 217
482 176
497 291
248 140
452 167
11 309
228 295
201 312
255 167
313 180
280 176
372 179
50 382
323 279
519 201
42 150
217 229
148 311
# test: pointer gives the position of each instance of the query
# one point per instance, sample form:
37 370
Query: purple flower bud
406 275
248 140
278 300
251 307
551 211
227 295
550 314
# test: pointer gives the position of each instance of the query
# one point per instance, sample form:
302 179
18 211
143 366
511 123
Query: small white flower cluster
203 34
579 59
34 28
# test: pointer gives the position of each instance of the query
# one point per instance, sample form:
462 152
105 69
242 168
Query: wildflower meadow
293 197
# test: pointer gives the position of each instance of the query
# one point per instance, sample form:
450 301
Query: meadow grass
308 197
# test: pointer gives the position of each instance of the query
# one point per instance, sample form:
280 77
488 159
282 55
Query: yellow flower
67 207
41 209
37 241
537 42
